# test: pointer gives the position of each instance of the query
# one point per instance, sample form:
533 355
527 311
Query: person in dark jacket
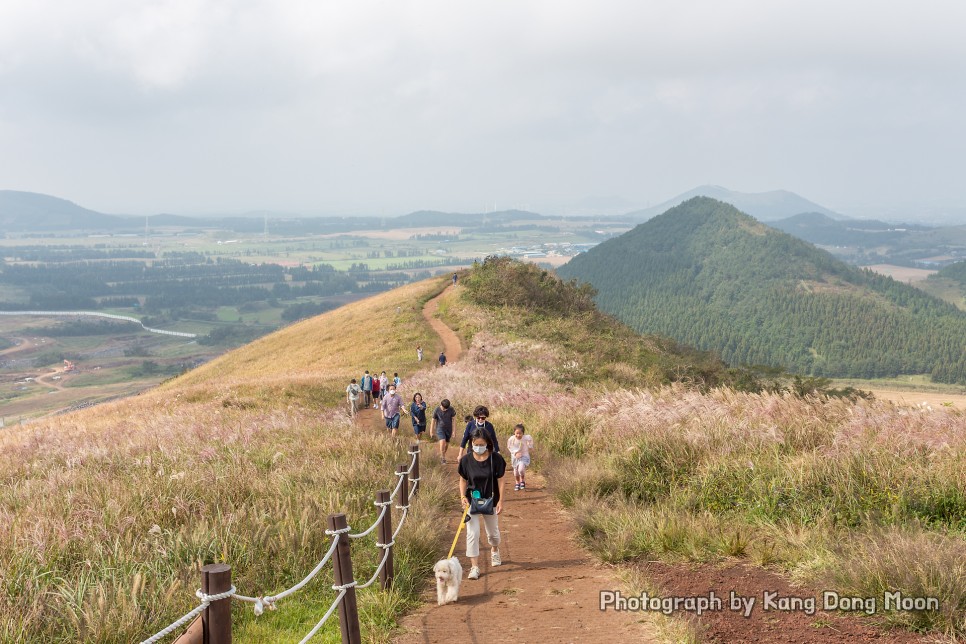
417 411
480 415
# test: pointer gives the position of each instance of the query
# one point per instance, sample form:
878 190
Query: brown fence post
216 619
385 536
415 474
342 567
403 472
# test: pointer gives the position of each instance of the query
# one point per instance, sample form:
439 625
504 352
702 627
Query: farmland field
211 283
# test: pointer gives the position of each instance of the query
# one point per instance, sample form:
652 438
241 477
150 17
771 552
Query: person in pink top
519 446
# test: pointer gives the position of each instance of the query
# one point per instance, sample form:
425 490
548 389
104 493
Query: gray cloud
389 106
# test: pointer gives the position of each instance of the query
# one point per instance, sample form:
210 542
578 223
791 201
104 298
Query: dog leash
458 530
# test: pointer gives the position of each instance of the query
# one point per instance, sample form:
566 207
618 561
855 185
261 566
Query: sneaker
516 487
444 460
474 573
523 485
495 559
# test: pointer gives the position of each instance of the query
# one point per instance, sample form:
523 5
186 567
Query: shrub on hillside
502 281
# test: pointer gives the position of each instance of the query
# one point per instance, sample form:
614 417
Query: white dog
449 576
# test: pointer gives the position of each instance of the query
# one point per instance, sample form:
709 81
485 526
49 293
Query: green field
106 364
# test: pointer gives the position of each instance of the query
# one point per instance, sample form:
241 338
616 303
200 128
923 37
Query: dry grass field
903 274
106 514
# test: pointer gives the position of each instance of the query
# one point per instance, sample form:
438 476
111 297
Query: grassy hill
712 277
107 513
854 496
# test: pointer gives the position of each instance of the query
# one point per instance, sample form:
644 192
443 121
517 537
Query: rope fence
216 592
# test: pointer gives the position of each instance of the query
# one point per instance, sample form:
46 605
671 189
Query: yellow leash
458 530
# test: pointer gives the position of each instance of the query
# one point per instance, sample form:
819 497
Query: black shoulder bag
480 505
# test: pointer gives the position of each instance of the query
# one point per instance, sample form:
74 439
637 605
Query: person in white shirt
519 446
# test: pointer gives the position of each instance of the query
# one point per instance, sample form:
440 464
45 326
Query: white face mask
479 449
480 422
392 392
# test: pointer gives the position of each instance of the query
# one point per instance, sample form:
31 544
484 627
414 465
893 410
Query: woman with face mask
480 415
481 487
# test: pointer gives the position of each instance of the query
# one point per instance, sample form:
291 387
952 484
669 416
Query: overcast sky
386 107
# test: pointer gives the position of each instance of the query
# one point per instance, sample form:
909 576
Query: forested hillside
955 272
710 276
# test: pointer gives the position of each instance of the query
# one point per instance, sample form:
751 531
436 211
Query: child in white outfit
519 446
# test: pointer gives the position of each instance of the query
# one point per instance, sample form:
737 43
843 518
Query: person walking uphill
376 398
352 394
443 427
417 412
480 414
481 488
367 389
392 406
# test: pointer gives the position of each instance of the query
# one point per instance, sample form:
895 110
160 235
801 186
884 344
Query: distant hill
711 276
817 228
30 211
764 206
954 272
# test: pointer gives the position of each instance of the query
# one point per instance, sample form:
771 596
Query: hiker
481 413
392 406
519 445
352 393
481 487
376 392
454 279
419 353
442 358
443 427
367 389
383 385
417 412
396 380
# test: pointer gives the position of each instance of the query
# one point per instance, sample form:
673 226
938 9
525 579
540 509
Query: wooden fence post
415 474
216 619
342 567
403 472
385 536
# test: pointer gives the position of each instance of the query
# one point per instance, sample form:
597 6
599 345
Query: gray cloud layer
391 106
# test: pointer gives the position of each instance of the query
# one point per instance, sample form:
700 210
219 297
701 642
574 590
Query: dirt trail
547 589
451 342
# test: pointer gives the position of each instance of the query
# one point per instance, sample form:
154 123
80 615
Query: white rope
268 601
385 508
392 496
187 617
382 563
402 520
328 614
412 465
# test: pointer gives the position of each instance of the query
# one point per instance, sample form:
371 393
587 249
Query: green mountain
713 277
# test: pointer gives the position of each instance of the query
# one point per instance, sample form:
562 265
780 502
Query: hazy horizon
555 107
